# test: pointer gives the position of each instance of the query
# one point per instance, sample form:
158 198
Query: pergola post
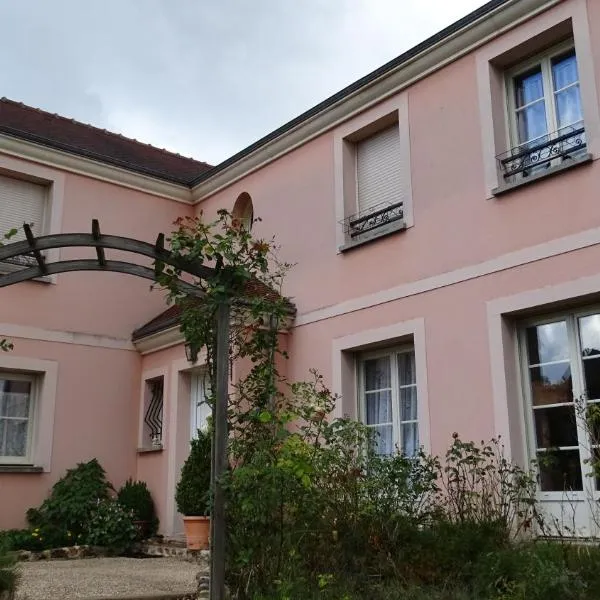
218 523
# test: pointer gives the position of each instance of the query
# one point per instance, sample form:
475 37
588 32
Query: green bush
193 489
9 574
73 499
135 497
40 538
111 526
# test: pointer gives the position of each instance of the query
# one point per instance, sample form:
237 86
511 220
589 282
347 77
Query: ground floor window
200 409
153 412
16 417
388 399
562 384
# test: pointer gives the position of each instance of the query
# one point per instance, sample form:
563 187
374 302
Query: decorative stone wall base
68 553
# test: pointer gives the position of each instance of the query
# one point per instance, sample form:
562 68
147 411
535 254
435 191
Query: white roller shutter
21 202
378 169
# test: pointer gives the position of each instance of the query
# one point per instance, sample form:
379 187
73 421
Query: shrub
193 489
9 574
135 497
73 499
111 526
40 538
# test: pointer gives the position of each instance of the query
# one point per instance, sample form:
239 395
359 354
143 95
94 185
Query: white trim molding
343 367
432 59
492 59
25 332
95 169
53 211
44 405
391 112
146 377
506 388
517 258
159 341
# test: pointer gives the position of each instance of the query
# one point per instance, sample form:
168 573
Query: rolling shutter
21 202
378 170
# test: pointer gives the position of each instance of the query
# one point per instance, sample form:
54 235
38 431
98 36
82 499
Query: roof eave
448 45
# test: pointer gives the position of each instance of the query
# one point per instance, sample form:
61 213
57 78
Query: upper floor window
545 114
21 202
378 185
388 399
243 211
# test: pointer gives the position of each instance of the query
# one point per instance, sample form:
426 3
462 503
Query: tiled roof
41 127
170 317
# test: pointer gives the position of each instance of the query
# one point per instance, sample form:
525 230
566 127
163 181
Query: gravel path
105 578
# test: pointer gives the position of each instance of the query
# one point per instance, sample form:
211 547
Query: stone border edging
65 553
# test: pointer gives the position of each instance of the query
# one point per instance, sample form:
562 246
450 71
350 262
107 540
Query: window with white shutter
21 202
378 170
379 193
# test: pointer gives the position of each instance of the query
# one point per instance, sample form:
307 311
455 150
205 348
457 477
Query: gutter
463 36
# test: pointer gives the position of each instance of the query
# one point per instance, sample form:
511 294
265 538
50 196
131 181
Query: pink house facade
441 213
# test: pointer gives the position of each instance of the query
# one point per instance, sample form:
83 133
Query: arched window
243 211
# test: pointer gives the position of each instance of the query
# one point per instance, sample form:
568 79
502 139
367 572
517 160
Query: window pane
564 71
406 368
551 384
16 405
589 333
568 107
408 404
377 373
378 407
529 87
591 372
14 398
384 439
13 437
410 438
531 122
555 427
560 471
547 343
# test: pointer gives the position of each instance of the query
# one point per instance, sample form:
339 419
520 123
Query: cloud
204 78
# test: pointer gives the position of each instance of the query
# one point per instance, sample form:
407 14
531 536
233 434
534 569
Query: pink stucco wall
96 410
464 251
456 226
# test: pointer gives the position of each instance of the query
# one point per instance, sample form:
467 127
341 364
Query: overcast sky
204 78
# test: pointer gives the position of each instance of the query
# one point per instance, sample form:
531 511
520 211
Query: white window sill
565 166
373 235
20 468
6 268
149 450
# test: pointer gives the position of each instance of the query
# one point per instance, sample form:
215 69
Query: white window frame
397 423
31 425
345 137
196 376
146 441
544 60
578 384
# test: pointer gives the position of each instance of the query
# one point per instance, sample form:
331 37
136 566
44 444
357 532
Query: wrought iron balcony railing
526 159
377 216
24 260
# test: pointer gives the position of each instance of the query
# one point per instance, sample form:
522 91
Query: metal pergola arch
35 246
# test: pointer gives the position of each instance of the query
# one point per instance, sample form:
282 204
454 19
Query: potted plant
135 496
193 492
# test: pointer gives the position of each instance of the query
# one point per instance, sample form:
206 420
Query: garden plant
313 511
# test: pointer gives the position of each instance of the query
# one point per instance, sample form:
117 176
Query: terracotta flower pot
197 530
